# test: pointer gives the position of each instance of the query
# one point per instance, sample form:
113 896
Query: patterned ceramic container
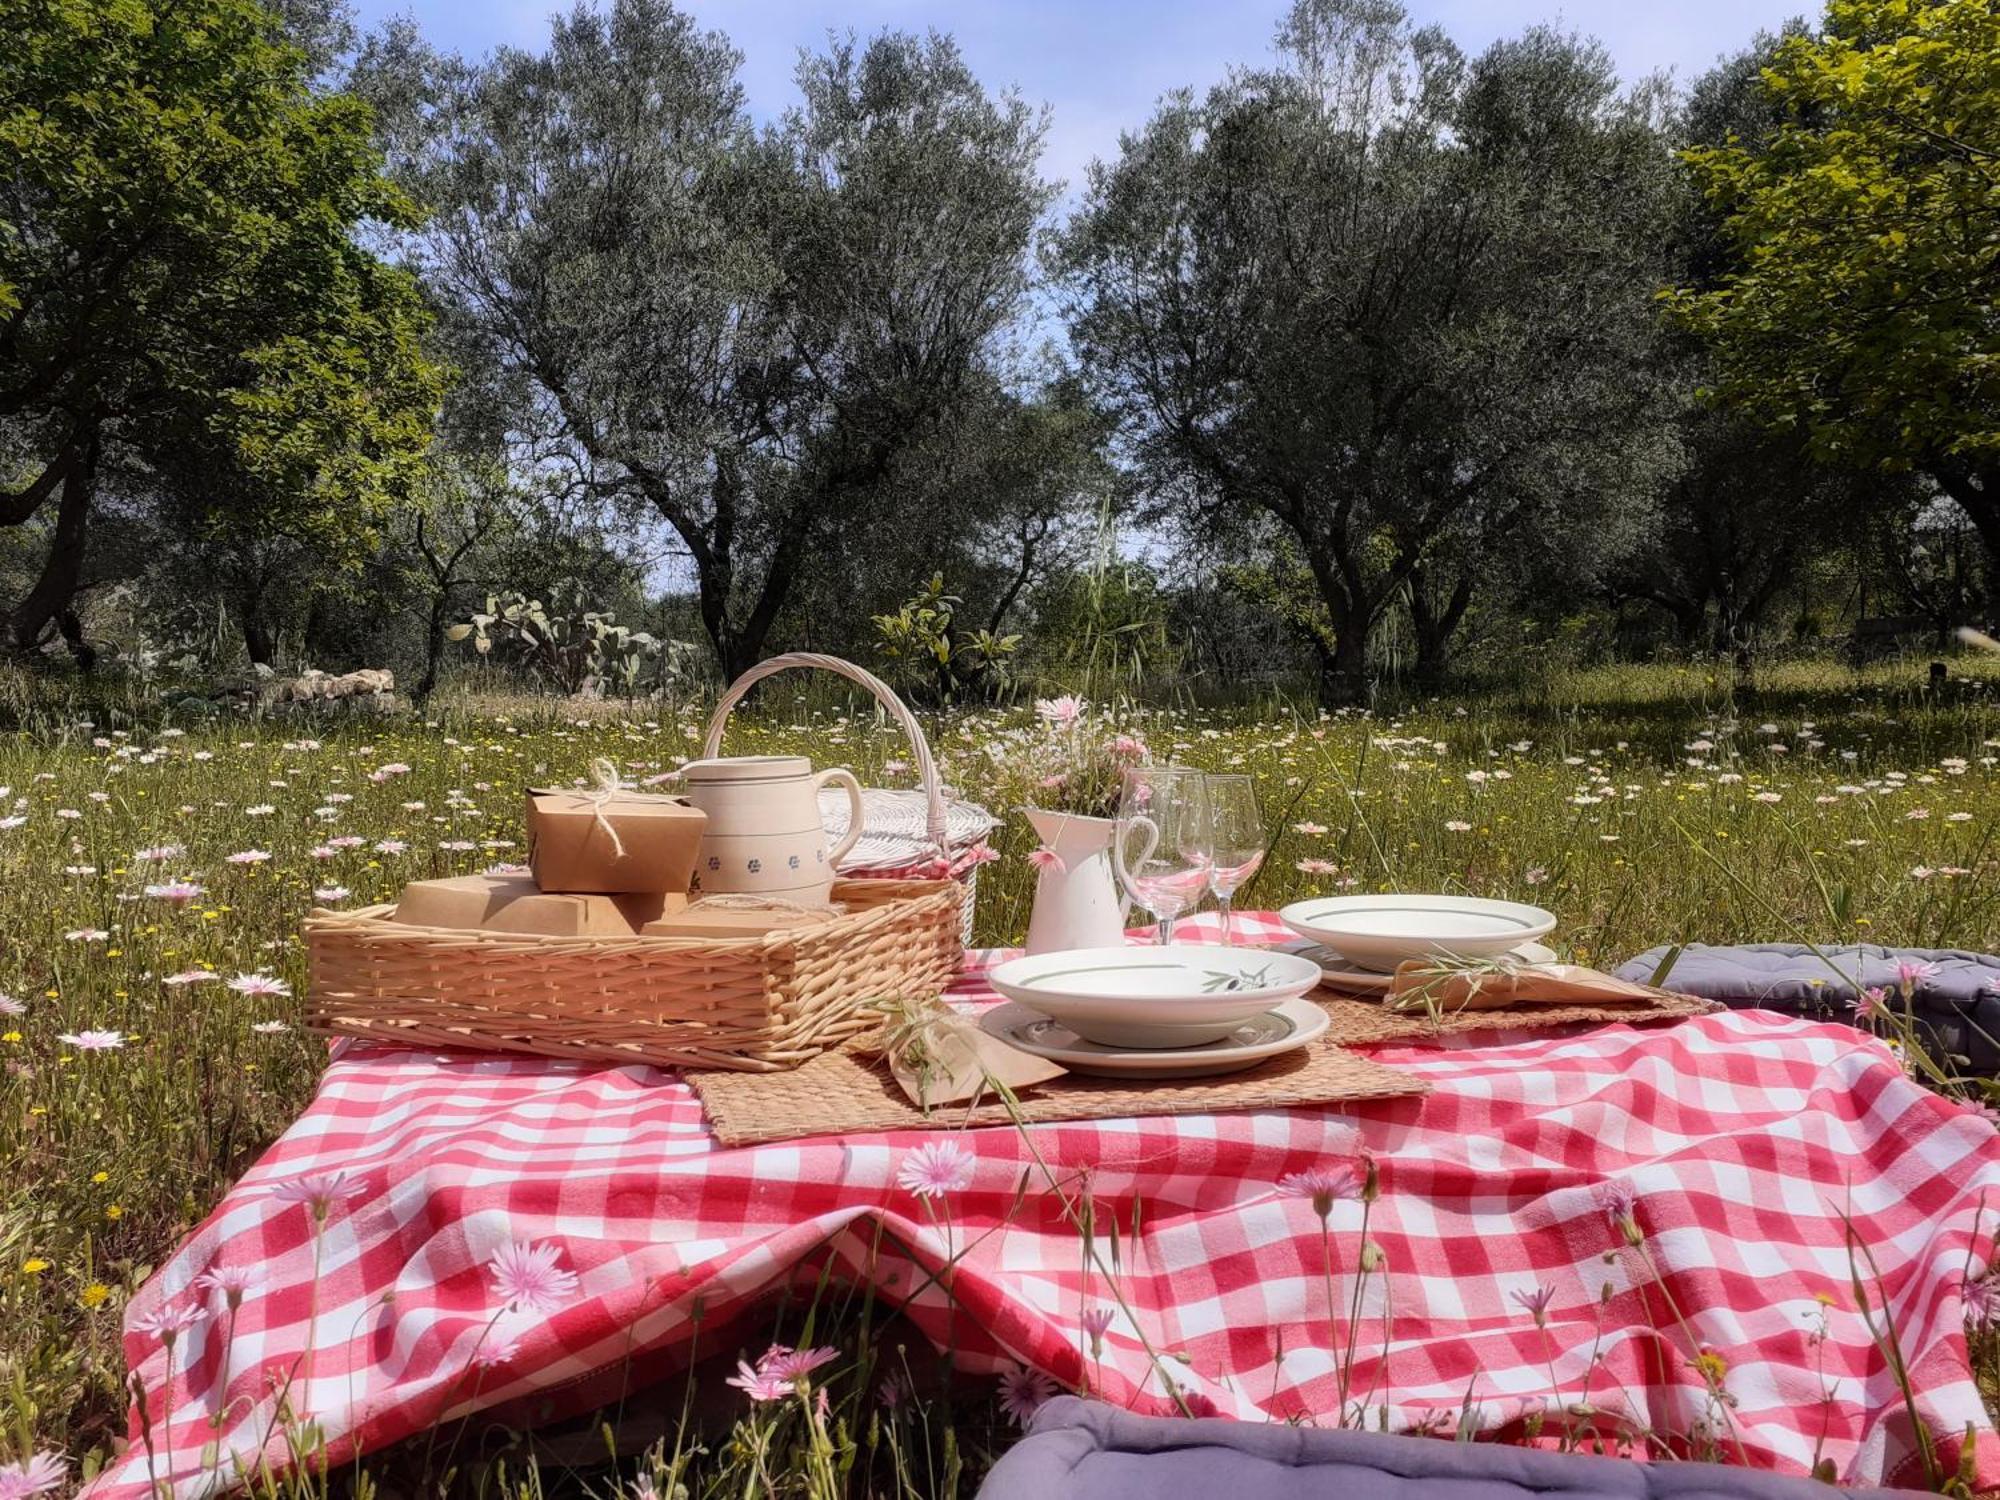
764 835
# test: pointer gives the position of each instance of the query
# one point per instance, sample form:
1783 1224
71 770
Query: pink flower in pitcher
1046 858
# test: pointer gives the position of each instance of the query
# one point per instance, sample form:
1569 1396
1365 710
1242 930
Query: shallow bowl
1380 932
1177 995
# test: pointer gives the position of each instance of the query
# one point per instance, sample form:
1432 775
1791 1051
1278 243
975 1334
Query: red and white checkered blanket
1741 1139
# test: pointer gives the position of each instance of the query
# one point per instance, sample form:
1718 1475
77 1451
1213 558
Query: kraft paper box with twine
1420 986
611 839
513 903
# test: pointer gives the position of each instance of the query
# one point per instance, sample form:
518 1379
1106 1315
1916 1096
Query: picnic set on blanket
693 1050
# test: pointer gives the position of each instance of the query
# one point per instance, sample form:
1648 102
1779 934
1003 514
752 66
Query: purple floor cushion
1084 1450
1957 1000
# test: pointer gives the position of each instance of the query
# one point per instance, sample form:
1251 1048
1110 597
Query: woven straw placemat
1360 1023
839 1092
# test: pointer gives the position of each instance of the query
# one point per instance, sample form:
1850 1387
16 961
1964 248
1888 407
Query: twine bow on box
606 786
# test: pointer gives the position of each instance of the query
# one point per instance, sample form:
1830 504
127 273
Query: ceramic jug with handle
764 836
1078 903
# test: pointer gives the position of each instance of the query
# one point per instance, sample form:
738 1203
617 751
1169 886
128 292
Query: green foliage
932 654
573 649
1381 300
747 333
1858 313
180 269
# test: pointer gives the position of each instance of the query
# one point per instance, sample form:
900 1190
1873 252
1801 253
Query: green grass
1875 822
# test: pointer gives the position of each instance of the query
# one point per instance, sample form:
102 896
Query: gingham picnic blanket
1738 1140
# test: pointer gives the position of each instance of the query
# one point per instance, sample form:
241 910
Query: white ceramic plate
1379 932
1180 995
1350 978
1292 1023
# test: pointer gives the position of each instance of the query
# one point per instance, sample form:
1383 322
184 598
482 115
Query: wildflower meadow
154 871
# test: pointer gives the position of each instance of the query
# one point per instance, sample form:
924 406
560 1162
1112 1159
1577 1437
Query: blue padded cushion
1958 1004
1084 1450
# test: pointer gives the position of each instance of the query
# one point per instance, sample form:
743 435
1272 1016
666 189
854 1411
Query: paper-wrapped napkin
940 1057
1424 986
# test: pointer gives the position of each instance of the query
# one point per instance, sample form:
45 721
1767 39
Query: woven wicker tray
849 1091
843 1091
1361 1023
756 1004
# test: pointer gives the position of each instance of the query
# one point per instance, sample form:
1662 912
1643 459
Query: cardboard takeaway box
615 844
706 920
513 903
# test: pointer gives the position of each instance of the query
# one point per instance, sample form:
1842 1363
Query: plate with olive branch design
1174 995
1287 1025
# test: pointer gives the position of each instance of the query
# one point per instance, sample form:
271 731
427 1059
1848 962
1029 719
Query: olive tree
1384 300
743 331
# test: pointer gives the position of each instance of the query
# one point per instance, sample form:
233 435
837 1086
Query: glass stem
1222 901
1163 929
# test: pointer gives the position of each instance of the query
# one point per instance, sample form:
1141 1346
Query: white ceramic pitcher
764 835
1077 903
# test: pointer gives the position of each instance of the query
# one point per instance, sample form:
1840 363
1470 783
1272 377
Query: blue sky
1100 64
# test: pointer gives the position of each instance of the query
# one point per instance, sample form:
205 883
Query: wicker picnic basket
755 1004
905 835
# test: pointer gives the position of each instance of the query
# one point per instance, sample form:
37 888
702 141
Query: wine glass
1160 847
1236 839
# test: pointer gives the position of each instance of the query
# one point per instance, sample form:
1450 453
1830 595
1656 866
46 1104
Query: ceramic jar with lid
764 836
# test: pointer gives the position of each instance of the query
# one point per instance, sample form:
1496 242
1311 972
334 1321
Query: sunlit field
154 873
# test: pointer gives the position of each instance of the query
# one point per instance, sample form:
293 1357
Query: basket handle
927 772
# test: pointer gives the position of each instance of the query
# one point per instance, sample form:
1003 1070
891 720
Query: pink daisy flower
179 892
259 984
1046 858
319 1191
1096 1320
247 857
492 1356
1621 1208
527 1279
936 1169
758 1385
1536 1303
795 1364
230 1283
191 976
1325 1185
35 1475
93 1041
1909 974
1022 1392
169 1323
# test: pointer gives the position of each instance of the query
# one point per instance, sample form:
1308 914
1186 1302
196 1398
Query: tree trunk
55 589
434 629
1435 625
1343 672
256 634
1977 491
